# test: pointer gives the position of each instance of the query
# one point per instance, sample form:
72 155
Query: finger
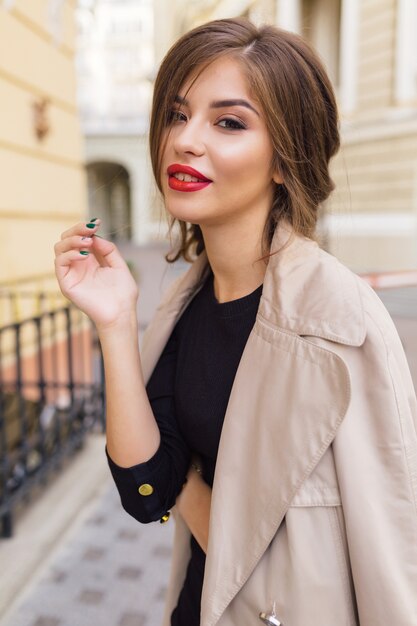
64 261
84 229
107 253
73 243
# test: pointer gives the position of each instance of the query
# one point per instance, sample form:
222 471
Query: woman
272 402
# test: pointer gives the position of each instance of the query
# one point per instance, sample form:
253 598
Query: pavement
77 559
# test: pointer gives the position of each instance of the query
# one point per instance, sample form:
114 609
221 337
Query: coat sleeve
166 471
376 462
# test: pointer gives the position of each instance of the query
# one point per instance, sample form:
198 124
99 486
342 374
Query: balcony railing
51 395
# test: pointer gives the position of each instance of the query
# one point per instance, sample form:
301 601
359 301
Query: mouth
186 178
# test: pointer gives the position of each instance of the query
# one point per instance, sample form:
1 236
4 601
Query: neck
234 255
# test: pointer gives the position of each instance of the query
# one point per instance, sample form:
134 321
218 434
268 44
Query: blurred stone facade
115 65
371 220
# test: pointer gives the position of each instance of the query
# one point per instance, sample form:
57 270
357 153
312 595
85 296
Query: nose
188 138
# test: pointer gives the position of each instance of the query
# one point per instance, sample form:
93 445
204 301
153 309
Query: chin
191 215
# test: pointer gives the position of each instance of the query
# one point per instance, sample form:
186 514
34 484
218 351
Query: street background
76 79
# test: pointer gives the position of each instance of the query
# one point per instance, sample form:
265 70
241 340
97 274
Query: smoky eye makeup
228 122
231 123
173 115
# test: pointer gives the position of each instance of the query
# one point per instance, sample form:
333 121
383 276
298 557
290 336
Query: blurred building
372 219
43 182
115 66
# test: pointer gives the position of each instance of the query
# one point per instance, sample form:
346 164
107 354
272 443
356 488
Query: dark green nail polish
90 225
84 252
94 219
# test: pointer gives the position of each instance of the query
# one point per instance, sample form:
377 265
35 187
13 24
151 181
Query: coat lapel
278 425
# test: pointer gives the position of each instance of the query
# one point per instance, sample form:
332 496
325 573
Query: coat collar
306 291
309 292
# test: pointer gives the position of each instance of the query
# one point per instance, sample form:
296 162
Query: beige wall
43 182
380 174
376 66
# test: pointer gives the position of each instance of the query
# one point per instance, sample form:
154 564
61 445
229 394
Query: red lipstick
182 185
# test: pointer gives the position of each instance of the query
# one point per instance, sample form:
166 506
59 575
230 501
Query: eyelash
172 114
239 125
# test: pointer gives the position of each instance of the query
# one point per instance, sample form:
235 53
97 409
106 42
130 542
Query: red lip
186 169
182 185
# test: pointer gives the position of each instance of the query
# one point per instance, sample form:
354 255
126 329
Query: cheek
244 162
164 158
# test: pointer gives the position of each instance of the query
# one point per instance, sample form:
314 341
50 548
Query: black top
189 390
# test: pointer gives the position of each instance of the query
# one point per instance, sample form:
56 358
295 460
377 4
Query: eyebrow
219 104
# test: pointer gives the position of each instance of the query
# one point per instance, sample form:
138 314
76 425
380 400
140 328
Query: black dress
189 391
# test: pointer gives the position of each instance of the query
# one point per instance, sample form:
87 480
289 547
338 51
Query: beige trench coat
314 502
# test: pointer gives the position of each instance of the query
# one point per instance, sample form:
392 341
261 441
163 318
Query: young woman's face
219 131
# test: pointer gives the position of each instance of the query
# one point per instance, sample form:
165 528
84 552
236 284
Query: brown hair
286 76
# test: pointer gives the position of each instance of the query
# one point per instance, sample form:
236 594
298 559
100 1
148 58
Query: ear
277 178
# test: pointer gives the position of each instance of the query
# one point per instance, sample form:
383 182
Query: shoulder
310 292
364 325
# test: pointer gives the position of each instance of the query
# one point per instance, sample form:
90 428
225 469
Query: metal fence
51 395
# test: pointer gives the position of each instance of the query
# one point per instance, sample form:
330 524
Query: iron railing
51 395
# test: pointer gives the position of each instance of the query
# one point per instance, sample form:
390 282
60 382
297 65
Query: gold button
145 489
165 518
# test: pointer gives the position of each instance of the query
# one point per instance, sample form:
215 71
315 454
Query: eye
231 124
175 116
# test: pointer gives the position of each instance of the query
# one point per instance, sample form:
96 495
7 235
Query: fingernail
94 219
85 238
84 252
90 225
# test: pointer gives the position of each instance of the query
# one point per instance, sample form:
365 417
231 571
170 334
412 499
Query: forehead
223 77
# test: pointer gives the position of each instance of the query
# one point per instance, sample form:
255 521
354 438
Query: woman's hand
94 276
